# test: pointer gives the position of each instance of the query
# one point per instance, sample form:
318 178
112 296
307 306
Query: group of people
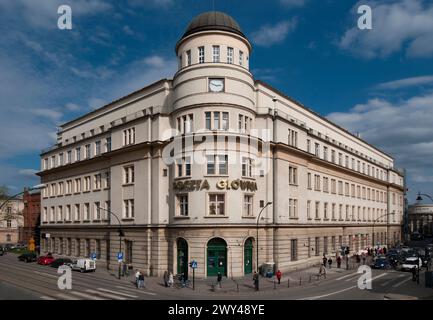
139 279
168 279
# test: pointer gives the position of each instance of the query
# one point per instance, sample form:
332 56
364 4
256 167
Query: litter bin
429 279
268 269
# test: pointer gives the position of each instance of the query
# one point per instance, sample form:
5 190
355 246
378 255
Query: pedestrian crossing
397 280
120 293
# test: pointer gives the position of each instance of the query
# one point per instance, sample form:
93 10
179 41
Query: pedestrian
384 250
330 262
170 280
256 281
124 269
141 280
324 259
338 262
219 278
363 259
137 275
165 277
279 274
322 270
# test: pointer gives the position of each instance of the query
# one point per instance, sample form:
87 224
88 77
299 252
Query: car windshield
411 262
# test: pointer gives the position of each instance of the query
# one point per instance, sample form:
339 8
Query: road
20 280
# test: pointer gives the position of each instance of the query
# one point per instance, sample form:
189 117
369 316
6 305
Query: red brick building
31 214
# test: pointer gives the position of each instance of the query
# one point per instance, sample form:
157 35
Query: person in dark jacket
256 281
325 260
219 278
330 262
338 262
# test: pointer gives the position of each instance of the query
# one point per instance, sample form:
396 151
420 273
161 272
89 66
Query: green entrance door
248 256
182 257
216 257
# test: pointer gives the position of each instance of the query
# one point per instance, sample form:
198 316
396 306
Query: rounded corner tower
213 64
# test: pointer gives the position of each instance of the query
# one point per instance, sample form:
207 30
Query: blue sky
377 82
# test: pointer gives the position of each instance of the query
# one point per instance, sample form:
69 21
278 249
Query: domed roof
213 20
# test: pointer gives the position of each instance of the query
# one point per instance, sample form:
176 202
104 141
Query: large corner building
188 164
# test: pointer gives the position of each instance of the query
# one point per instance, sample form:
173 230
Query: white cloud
397 25
407 82
27 172
269 35
293 3
151 3
155 61
96 103
51 114
72 107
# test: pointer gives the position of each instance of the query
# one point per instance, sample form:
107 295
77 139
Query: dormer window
216 53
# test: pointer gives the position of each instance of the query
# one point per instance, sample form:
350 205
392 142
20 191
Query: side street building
11 220
187 165
31 216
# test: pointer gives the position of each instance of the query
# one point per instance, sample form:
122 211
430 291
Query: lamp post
419 198
121 234
257 242
374 222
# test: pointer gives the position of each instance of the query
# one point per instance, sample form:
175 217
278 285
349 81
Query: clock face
216 85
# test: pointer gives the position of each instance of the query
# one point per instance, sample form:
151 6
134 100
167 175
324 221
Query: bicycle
181 283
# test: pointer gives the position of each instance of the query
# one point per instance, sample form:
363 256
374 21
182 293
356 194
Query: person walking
165 278
330 262
338 262
279 274
324 259
141 280
219 278
256 281
137 275
170 280
363 259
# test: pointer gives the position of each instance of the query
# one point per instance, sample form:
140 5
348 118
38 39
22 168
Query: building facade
187 165
421 218
31 216
11 220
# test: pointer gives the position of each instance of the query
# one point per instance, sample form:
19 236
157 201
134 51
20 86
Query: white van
83 265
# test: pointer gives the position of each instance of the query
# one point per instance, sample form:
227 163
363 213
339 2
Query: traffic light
190 264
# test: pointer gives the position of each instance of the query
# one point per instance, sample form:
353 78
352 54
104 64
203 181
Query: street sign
93 256
193 264
47 235
120 256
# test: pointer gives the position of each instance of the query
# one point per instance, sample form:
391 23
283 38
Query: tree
4 192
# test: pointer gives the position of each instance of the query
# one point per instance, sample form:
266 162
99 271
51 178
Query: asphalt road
20 280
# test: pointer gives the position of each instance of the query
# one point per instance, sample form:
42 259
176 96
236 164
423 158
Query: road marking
47 298
389 281
400 283
66 297
117 292
106 295
85 295
349 275
329 294
135 290
46 274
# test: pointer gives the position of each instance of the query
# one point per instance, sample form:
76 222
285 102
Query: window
333 186
96 211
128 174
53 161
333 212
128 136
217 162
182 205
293 138
347 189
317 246
317 149
68 213
87 151
308 209
97 148
61 189
77 185
44 215
225 123
86 184
216 204
208 116
220 120
325 153
184 167
244 123
86 212
309 180
333 243
97 181
200 54
59 214
340 212
340 159
216 120
247 164
340 188
128 209
347 162
241 58
188 58
325 245
317 216
108 144
347 213
325 184
46 164
248 206
107 210
216 53
77 212
61 159
107 179
316 182
8 224
78 154
52 214
229 55
325 211
69 156
293 208
333 156
185 123
293 175
294 249
308 146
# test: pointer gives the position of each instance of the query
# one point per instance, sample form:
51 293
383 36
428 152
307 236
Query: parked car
410 263
83 265
381 263
28 257
60 262
46 260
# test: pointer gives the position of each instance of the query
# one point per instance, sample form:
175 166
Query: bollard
288 283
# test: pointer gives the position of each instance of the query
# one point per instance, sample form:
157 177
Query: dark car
28 257
381 263
60 262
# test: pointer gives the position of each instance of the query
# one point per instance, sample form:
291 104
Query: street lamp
374 222
257 242
419 198
121 234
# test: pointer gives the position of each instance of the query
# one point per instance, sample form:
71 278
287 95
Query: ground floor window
128 253
317 248
325 245
87 248
98 248
294 249
77 248
8 238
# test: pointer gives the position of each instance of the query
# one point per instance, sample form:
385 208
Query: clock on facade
216 85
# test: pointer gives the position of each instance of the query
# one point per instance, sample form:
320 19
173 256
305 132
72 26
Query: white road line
106 295
400 283
329 294
117 292
85 295
66 297
46 274
47 298
349 275
391 280
135 290
356 275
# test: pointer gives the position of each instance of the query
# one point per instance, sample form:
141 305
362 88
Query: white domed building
214 166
